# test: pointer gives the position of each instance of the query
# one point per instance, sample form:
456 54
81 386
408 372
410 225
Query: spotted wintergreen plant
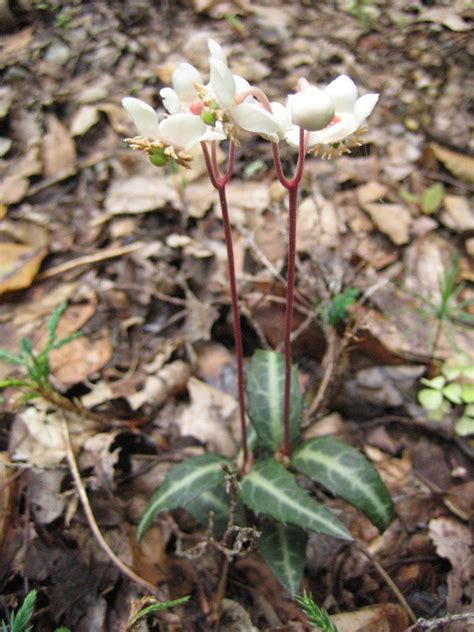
283 510
266 480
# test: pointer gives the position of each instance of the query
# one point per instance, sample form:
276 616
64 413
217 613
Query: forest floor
137 254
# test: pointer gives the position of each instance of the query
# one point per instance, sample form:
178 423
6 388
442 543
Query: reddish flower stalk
219 182
292 185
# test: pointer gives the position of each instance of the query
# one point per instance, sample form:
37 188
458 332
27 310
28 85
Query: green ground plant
452 389
316 617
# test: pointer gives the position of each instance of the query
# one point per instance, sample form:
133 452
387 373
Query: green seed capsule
158 158
209 118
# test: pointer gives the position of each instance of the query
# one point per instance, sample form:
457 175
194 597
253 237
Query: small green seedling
429 201
316 616
21 619
35 364
336 311
454 387
149 606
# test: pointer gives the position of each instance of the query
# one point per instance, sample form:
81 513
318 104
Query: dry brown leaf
452 540
459 214
384 618
13 189
59 151
210 417
445 16
37 437
140 194
460 165
171 378
15 47
74 362
393 220
19 265
85 118
150 559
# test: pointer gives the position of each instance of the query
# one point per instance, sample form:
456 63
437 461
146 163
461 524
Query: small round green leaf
430 399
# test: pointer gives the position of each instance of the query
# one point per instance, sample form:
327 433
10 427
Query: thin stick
94 527
388 580
110 253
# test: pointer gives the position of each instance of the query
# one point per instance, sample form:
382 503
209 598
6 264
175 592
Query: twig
433 624
128 572
111 253
388 580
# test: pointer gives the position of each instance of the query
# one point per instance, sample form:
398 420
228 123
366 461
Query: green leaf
430 399
453 392
436 383
184 483
216 500
468 393
10 358
270 489
432 198
337 309
66 340
265 393
53 323
347 473
316 616
464 426
156 607
283 547
21 619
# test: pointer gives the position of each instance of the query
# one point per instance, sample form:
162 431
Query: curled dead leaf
19 265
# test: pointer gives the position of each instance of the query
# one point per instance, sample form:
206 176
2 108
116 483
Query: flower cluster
225 107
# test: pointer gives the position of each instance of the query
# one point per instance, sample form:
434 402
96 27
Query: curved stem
239 350
254 92
219 182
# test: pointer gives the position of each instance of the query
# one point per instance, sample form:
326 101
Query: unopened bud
312 109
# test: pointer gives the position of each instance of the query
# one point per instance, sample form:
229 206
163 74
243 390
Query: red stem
292 185
219 182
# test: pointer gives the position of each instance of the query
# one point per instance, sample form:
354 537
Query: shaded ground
138 255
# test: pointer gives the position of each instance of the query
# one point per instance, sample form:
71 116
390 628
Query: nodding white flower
283 118
310 108
225 88
162 140
350 114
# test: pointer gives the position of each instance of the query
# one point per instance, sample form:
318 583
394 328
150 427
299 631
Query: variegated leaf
346 472
184 483
270 489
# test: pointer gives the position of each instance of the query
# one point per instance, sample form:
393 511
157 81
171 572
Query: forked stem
219 182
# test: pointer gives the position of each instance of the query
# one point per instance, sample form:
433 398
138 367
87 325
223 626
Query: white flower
283 118
311 108
181 129
351 112
225 87
183 97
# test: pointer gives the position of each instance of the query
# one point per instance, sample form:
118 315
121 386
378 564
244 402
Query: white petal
336 132
213 133
364 106
282 116
182 130
292 136
241 84
183 80
222 82
343 92
312 109
143 115
216 51
170 100
254 118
